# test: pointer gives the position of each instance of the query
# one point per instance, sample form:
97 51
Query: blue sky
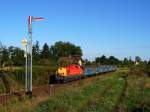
111 27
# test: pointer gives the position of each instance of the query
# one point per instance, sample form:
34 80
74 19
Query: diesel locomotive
76 71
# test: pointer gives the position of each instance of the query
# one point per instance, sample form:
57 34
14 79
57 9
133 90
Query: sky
111 27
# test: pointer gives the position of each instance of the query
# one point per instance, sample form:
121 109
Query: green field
105 93
16 77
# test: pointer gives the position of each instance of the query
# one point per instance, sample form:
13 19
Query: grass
137 94
63 98
16 77
105 99
104 93
96 96
2 87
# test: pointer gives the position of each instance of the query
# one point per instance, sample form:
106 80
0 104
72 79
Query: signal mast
28 77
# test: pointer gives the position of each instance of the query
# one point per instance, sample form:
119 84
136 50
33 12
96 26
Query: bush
140 70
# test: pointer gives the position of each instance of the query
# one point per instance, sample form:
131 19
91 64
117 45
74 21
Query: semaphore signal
29 55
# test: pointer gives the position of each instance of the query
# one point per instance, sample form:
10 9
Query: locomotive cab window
76 66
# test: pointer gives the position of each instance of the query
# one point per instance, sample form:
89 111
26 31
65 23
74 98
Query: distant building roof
70 59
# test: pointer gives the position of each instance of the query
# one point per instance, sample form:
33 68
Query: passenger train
77 72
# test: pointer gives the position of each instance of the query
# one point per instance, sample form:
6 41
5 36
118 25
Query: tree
125 61
131 63
137 59
4 57
36 51
63 49
113 61
128 62
149 62
97 60
102 60
45 51
17 56
1 49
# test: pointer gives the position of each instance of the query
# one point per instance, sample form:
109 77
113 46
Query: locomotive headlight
62 71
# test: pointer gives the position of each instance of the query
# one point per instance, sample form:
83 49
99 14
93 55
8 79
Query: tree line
49 55
111 60
45 55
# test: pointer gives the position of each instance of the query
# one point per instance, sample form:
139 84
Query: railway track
37 92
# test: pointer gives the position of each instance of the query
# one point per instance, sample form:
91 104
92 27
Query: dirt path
37 92
119 106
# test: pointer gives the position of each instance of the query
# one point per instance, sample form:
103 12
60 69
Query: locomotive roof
72 59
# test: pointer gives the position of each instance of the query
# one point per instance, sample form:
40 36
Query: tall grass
40 75
2 87
94 96
138 94
16 77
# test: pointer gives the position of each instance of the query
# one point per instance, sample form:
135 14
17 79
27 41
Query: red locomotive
70 72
